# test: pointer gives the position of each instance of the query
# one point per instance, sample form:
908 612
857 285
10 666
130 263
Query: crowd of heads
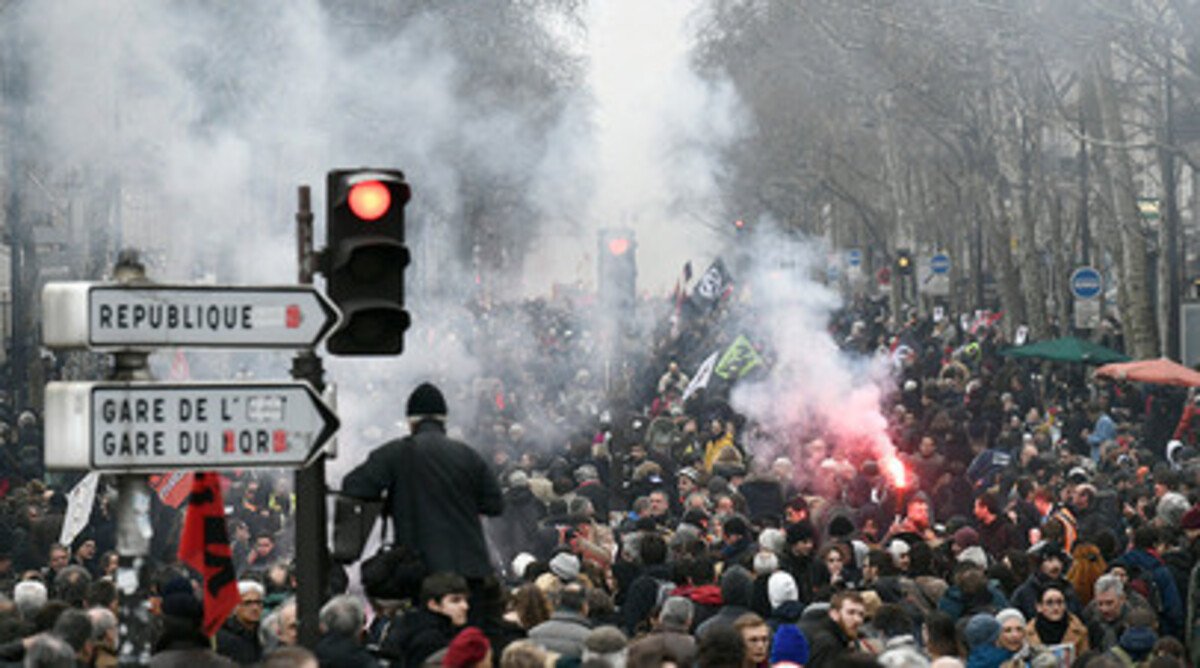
1041 513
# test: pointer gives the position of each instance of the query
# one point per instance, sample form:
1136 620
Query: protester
608 497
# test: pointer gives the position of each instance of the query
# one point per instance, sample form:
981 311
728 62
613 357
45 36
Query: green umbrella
1068 349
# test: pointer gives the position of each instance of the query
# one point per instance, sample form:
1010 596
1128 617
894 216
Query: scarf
1050 632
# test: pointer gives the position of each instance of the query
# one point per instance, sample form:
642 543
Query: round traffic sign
1086 283
940 263
854 257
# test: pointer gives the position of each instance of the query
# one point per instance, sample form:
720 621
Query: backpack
1142 581
665 587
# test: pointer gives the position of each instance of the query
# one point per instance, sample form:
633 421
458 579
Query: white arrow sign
108 316
151 427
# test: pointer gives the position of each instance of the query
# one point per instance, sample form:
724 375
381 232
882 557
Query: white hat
520 563
781 588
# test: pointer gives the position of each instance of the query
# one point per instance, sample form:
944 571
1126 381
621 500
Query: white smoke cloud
814 389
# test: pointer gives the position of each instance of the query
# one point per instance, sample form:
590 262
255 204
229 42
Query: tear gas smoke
814 389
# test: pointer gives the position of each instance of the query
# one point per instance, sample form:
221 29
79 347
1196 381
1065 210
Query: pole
1170 215
312 549
134 528
1085 232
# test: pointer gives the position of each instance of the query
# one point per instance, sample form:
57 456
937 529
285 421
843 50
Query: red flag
173 488
204 546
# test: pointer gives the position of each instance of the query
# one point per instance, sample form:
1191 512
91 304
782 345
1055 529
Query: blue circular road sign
854 257
1086 283
940 263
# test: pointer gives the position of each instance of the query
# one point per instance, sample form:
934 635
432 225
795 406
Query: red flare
894 468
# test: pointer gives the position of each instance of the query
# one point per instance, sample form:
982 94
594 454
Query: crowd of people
587 511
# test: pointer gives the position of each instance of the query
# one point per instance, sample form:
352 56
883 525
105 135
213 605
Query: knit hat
966 537
781 588
1010 613
518 479
1138 641
426 400
689 473
790 646
566 566
605 640
898 548
800 531
1191 519
179 600
520 563
586 472
982 629
974 555
468 648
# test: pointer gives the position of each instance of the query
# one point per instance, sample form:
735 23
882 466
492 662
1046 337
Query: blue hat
790 646
983 629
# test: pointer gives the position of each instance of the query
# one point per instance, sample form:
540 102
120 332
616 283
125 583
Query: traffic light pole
312 550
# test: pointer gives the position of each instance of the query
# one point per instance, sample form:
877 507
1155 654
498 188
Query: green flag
738 359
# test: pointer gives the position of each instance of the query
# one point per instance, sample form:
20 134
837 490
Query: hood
1140 559
737 587
709 595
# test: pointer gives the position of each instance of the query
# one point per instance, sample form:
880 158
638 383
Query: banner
80 500
702 376
713 285
738 360
204 546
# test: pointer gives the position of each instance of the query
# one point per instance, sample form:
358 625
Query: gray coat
564 633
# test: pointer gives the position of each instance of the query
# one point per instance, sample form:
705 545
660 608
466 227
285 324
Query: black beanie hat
426 400
800 531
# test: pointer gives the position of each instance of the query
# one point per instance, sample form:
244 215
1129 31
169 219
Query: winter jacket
955 603
335 650
987 656
517 528
564 633
1077 635
419 634
827 643
239 643
764 498
643 596
1025 598
1171 615
706 601
446 485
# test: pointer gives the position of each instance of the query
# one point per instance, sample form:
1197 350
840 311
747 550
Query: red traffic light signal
369 200
364 263
618 245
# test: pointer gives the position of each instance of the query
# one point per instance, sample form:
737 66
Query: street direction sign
854 257
114 316
1086 283
940 263
152 427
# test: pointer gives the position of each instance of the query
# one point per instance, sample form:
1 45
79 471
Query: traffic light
365 258
904 262
618 270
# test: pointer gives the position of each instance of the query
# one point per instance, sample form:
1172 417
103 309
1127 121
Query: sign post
103 316
934 276
151 427
1087 284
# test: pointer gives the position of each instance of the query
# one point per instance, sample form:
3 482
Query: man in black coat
835 636
340 645
436 495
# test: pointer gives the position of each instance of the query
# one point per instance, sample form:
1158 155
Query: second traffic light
365 258
904 262
617 285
